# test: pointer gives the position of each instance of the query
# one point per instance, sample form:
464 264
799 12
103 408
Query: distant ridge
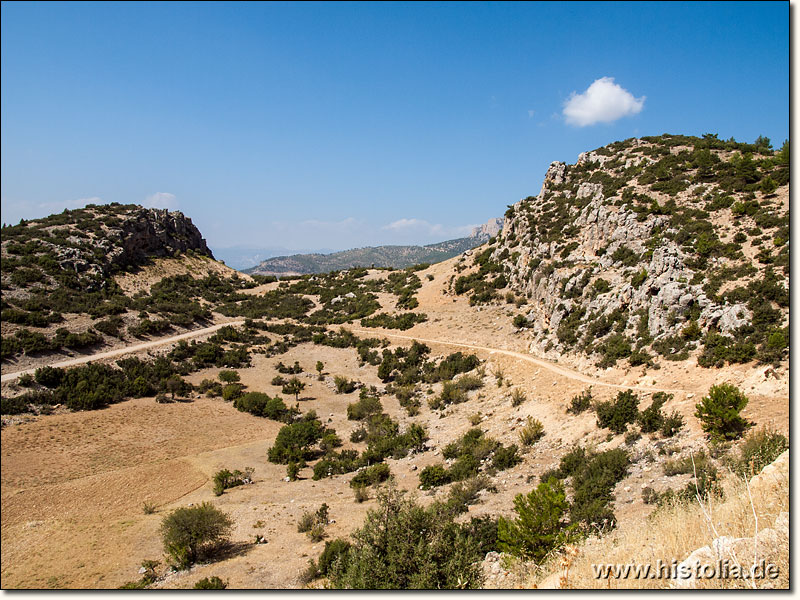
397 257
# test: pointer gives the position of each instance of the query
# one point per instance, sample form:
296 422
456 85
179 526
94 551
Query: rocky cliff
93 242
652 247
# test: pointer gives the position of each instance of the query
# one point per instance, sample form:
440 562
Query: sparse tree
294 386
188 532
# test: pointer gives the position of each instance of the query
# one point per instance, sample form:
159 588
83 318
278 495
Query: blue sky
341 125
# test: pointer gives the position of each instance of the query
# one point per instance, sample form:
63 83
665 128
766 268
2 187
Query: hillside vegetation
59 270
650 249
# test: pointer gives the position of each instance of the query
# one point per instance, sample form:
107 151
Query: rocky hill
58 269
671 245
398 257
93 243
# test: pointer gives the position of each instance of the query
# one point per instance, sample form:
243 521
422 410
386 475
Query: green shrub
451 394
190 533
334 555
532 432
593 483
719 412
210 388
433 476
462 494
760 448
651 419
639 278
210 583
232 391
226 479
371 475
365 407
464 467
403 545
539 528
262 405
293 387
581 402
25 380
226 376
344 385
50 377
616 415
314 523
360 494
293 470
505 457
294 441
517 397
672 424
686 464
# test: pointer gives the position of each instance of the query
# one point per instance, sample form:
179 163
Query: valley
572 309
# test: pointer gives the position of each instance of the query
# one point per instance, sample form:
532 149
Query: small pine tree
538 530
719 412
768 186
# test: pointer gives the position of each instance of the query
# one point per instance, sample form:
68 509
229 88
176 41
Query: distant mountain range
246 257
398 257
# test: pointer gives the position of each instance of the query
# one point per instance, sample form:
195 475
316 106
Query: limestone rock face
603 251
159 232
489 229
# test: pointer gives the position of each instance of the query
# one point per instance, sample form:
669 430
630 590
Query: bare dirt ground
73 484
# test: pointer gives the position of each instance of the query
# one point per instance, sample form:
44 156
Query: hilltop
649 249
396 257
69 280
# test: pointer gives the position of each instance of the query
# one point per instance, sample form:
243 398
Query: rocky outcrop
604 240
95 241
488 230
157 232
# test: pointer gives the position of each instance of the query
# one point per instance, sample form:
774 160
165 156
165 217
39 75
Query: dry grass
674 532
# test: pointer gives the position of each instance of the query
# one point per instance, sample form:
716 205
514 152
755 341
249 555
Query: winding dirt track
563 371
126 350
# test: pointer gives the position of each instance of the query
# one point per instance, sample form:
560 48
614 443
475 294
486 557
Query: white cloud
413 224
161 200
531 113
423 227
603 102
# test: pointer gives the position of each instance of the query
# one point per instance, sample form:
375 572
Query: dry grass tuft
675 531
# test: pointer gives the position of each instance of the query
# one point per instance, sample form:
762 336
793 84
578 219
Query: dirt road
563 371
126 350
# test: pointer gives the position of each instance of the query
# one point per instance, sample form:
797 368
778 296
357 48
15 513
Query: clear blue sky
342 125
